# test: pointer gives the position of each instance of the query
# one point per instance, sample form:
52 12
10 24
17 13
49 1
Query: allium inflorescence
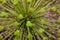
29 20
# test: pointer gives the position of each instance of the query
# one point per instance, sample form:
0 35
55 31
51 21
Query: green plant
25 19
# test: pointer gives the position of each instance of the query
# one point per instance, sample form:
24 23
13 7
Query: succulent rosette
29 20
